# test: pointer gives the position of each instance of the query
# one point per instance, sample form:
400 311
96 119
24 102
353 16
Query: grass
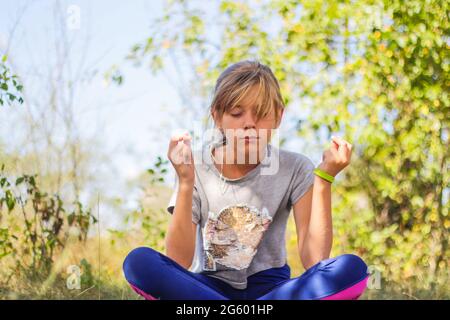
102 277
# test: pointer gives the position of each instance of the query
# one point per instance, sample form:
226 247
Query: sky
130 111
126 120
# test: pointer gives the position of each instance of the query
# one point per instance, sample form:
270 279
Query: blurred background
91 91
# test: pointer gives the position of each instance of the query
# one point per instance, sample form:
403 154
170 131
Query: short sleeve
195 202
303 178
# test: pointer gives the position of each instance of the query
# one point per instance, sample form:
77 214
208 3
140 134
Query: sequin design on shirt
231 237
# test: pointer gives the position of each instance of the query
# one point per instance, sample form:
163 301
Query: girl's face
241 125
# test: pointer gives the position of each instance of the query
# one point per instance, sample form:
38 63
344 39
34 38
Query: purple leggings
155 276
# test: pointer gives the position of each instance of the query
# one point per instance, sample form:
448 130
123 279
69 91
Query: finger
187 139
334 145
176 146
334 152
174 139
345 153
186 143
186 156
342 143
176 153
341 150
187 152
349 146
338 140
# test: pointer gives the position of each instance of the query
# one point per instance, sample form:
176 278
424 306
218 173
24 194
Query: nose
249 121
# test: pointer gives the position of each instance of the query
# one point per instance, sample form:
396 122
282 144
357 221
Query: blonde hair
235 82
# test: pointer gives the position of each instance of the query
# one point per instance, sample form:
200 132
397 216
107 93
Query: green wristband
324 175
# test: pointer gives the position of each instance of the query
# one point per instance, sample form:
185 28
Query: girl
232 199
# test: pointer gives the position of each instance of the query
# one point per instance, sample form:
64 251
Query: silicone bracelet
324 175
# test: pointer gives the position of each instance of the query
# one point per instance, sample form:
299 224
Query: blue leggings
156 276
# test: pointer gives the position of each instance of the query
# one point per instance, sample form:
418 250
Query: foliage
374 71
35 225
10 86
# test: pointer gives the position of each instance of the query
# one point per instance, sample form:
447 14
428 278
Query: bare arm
312 215
312 212
181 233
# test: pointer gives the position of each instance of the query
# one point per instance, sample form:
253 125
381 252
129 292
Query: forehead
251 98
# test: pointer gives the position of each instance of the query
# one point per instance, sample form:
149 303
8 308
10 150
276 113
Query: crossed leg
156 276
343 277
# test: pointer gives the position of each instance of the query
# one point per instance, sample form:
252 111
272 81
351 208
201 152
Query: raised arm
312 212
181 233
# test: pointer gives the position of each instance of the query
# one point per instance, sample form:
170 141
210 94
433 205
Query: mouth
250 140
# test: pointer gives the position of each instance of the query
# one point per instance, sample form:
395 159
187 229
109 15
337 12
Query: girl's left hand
337 157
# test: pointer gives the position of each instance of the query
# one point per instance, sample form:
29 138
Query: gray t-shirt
241 222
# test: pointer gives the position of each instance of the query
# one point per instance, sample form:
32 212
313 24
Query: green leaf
10 202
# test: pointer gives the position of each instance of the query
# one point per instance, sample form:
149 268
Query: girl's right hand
180 155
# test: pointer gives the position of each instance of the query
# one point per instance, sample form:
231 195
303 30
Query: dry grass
102 278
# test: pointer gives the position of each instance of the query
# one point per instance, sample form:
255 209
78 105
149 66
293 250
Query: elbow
309 260
174 255
313 252
184 262
181 260
305 259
